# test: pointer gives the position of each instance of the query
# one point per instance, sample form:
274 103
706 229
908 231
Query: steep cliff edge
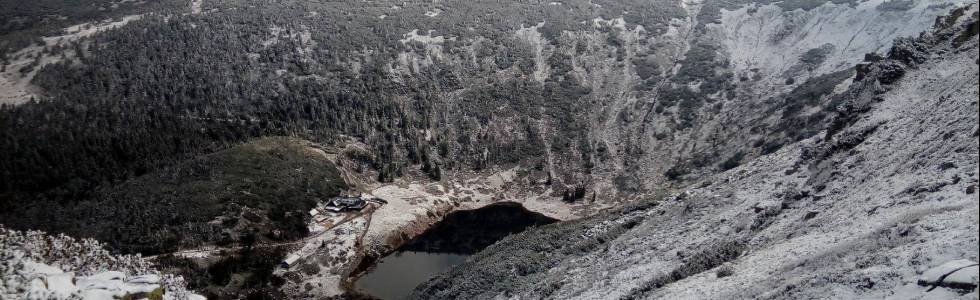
886 192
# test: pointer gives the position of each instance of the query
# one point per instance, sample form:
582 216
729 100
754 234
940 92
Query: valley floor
333 253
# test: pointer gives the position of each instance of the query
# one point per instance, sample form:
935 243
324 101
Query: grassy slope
231 196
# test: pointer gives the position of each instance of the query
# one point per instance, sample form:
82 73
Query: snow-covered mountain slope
832 37
861 211
732 87
40 266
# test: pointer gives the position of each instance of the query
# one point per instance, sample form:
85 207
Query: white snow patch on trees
15 79
538 44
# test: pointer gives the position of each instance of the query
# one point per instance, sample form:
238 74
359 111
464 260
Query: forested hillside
610 98
258 191
25 22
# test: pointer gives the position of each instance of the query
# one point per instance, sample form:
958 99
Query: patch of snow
532 36
75 32
196 6
428 38
410 62
333 252
618 23
15 87
964 277
961 272
433 13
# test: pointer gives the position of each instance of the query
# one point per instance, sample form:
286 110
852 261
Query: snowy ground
896 205
39 266
324 261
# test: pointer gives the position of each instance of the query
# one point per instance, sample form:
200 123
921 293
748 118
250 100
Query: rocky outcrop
958 274
39 266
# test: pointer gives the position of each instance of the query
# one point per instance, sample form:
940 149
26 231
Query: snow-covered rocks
55 284
39 266
961 274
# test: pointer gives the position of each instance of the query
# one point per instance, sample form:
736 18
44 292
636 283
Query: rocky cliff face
885 192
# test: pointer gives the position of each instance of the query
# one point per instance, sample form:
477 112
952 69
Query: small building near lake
339 204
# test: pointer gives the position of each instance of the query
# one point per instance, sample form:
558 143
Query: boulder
109 275
61 285
908 51
98 295
959 274
965 278
144 279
